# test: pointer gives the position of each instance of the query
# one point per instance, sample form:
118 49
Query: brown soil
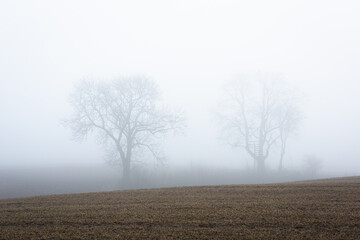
324 209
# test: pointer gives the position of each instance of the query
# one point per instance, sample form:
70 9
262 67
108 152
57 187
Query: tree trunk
281 160
126 167
282 151
260 164
126 171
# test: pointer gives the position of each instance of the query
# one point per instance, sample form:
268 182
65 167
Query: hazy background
191 49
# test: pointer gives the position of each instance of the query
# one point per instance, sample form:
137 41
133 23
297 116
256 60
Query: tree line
257 113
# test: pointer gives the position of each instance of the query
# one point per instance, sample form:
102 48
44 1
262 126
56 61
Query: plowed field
323 209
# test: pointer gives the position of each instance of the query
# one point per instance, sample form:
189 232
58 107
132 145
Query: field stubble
323 209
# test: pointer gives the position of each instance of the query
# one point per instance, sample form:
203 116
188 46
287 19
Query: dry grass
326 209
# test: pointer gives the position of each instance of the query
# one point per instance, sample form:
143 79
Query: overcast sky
191 49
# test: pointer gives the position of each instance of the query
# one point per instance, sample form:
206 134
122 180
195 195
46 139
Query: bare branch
259 112
125 111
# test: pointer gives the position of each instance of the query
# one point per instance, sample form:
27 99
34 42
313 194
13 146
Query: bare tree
258 113
125 114
312 165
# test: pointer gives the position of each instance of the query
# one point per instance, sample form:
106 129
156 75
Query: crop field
322 209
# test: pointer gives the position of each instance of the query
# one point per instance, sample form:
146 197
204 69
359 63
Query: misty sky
191 49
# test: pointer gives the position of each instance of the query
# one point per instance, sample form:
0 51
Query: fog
191 49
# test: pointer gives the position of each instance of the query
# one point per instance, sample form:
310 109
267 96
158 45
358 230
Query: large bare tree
125 115
257 114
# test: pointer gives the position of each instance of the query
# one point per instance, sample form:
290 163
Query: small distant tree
258 112
126 116
291 118
312 164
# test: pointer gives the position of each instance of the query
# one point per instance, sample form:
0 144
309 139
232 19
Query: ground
322 209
